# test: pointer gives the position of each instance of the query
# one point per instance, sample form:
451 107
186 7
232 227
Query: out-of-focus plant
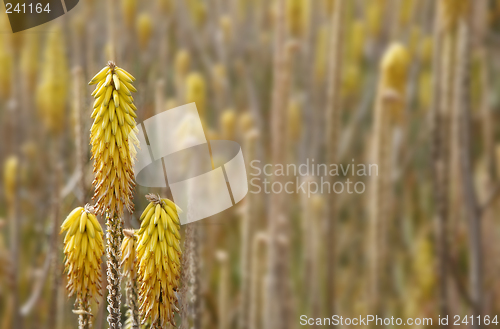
10 169
228 124
52 90
196 91
129 10
144 27
297 16
6 61
29 60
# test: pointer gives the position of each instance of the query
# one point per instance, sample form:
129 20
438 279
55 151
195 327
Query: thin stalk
249 217
440 196
223 293
279 295
257 281
131 290
84 315
473 211
56 266
113 254
79 120
332 135
189 284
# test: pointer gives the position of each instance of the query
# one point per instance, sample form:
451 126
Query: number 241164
486 320
26 8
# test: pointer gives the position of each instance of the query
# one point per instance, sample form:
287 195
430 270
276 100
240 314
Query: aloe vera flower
83 248
113 140
159 255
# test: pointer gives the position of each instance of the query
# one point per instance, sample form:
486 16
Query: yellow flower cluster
52 92
158 255
196 92
6 59
298 13
83 248
144 27
395 66
113 152
452 11
10 171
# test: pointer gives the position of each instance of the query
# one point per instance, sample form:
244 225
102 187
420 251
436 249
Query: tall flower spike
129 271
83 248
158 255
113 152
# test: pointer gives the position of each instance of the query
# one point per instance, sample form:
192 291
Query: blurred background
404 84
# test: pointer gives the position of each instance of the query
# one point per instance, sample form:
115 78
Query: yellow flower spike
113 185
111 111
130 87
116 81
107 96
99 76
29 59
72 217
129 9
196 92
158 255
124 91
97 88
164 220
90 229
297 12
151 227
144 26
124 76
94 222
116 100
172 215
83 250
294 120
395 67
228 124
52 90
157 213
74 227
83 222
108 80
182 62
172 205
452 11
11 165
394 73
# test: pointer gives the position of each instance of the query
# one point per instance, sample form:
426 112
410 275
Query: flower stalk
113 254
